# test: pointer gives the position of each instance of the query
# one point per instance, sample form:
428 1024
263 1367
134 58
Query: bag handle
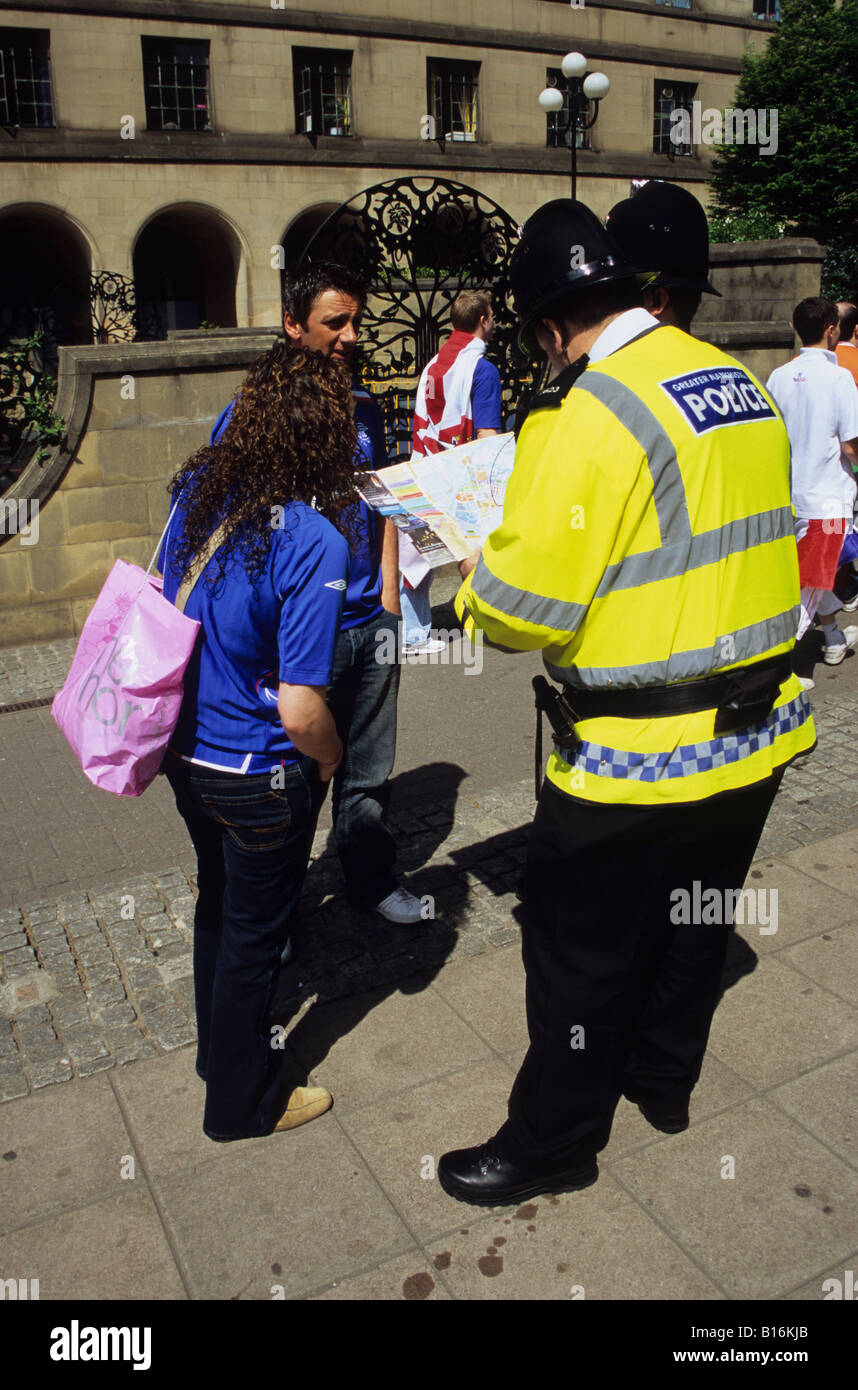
163 535
197 566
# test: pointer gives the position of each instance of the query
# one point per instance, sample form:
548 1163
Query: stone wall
768 279
134 413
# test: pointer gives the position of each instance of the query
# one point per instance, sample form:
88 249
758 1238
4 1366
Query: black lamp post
594 88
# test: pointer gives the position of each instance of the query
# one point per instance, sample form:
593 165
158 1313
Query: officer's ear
551 336
655 301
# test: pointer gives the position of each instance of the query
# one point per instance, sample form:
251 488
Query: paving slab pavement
109 1189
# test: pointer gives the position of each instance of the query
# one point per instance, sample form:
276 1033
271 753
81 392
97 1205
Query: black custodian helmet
668 230
563 248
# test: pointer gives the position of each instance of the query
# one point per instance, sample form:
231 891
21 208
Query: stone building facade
179 144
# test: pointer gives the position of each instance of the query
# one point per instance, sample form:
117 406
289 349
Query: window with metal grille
176 84
556 132
767 9
453 90
25 77
323 91
670 97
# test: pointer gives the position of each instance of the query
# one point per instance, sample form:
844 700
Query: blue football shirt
486 396
282 629
363 595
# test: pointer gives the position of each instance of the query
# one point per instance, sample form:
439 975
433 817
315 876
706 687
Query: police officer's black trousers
620 990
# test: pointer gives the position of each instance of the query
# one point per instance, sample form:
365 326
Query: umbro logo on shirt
337 584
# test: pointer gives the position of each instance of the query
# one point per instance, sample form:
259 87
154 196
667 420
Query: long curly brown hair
291 437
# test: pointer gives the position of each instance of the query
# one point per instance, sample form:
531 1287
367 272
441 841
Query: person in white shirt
819 403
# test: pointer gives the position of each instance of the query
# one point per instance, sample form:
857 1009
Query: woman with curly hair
255 742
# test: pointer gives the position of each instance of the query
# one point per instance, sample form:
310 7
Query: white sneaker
400 906
432 644
286 953
807 683
833 655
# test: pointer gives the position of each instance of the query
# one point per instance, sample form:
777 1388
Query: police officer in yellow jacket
647 550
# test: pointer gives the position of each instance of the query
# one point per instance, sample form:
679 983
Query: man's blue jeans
362 698
416 611
252 843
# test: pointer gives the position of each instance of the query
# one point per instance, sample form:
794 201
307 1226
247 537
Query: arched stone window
44 277
186 262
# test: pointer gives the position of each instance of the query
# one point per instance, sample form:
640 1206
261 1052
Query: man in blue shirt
324 306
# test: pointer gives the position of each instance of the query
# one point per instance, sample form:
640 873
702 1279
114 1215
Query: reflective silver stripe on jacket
679 552
554 613
744 645
708 548
668 489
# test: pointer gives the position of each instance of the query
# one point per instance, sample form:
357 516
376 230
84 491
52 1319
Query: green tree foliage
808 73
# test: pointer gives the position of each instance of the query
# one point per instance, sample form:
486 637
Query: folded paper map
445 504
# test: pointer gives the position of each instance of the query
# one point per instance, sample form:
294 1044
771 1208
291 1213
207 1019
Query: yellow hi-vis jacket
648 538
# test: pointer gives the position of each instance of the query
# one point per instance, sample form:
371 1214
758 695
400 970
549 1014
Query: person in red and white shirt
819 403
458 399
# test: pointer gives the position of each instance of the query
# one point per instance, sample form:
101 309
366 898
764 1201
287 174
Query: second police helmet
563 248
666 228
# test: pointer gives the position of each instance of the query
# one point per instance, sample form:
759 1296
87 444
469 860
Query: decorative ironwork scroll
116 317
419 241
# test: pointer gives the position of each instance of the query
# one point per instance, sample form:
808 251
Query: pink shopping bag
120 702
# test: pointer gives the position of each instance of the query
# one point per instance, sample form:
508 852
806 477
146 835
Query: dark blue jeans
252 843
362 698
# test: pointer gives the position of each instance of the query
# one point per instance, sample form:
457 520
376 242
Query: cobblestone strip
30 673
89 980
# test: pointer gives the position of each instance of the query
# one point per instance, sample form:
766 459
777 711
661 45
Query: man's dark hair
301 291
812 317
587 308
848 323
685 302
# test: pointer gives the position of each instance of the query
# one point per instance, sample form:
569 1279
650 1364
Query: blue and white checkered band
716 397
692 757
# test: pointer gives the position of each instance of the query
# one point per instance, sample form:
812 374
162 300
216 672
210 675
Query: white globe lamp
550 99
574 65
596 86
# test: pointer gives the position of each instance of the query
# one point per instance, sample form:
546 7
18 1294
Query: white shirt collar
832 357
620 331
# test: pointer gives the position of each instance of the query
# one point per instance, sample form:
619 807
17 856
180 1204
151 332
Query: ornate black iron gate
417 242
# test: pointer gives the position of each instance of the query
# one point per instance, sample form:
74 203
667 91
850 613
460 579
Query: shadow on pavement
353 960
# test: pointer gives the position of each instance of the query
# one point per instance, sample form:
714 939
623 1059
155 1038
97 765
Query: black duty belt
739 697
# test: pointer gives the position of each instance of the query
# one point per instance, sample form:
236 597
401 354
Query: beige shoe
305 1103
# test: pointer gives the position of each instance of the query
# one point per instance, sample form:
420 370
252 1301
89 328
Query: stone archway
45 265
186 262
